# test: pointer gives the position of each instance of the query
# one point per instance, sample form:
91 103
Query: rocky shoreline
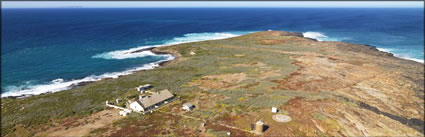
152 49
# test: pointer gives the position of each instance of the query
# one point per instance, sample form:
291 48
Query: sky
153 4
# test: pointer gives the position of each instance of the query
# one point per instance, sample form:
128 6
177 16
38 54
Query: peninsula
280 81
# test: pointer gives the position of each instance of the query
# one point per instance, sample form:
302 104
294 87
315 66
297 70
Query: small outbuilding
143 88
188 106
274 110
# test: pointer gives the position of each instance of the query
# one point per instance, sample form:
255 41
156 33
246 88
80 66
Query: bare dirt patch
239 55
331 117
83 126
253 64
323 74
265 71
156 124
267 74
271 42
220 81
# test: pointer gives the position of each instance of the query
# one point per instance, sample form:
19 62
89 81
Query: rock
291 34
141 50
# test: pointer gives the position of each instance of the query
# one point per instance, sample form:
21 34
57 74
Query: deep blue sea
50 49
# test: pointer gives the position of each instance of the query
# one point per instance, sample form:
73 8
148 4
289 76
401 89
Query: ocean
49 50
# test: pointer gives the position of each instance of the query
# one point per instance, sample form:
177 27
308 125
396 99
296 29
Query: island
270 83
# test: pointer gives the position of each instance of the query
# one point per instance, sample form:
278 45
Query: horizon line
212 4
78 7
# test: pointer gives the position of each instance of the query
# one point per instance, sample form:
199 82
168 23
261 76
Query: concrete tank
259 126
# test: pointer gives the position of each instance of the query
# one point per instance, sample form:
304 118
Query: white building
137 106
146 103
188 106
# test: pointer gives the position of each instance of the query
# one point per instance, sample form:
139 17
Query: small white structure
118 100
188 106
143 88
124 113
274 110
192 53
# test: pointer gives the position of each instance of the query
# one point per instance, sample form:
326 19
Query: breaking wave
321 36
400 55
191 37
59 84
315 35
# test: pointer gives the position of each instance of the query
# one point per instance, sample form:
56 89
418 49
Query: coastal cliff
326 88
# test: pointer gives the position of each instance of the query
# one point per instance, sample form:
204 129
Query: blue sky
121 4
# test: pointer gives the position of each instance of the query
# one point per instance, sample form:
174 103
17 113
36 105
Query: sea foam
322 37
61 84
126 54
191 37
399 55
315 35
319 36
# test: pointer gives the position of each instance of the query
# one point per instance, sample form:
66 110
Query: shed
188 106
274 110
144 87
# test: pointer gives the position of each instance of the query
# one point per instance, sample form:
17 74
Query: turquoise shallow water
51 49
